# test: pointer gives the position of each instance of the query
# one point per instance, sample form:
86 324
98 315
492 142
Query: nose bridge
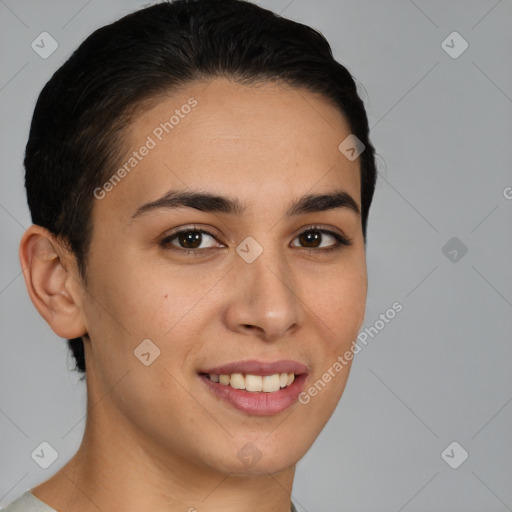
268 300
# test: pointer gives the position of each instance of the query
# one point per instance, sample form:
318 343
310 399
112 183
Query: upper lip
255 367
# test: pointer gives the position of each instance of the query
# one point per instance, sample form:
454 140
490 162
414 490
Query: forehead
259 143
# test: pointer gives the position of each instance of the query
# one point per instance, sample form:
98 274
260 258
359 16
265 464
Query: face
257 281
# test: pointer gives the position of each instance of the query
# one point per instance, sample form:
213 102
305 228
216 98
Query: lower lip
258 402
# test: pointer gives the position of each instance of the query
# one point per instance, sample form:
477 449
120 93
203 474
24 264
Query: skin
155 438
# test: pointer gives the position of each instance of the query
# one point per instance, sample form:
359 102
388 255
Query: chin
259 457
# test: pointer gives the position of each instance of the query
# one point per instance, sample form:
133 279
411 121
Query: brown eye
190 240
310 238
314 238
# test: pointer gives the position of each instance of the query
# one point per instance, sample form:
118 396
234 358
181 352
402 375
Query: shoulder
27 502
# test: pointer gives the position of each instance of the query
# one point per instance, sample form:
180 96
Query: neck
118 468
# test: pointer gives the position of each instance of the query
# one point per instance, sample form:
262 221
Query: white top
27 502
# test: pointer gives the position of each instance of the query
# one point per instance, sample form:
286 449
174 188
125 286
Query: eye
190 240
313 239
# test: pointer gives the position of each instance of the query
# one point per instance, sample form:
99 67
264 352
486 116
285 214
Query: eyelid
323 228
185 229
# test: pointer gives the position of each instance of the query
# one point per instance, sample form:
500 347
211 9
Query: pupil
190 239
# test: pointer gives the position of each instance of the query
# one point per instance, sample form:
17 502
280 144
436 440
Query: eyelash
341 241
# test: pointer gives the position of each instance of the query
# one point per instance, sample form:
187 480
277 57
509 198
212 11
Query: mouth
255 387
254 383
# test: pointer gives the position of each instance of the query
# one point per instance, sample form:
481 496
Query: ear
52 281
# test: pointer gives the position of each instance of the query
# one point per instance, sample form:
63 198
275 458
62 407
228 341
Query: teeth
266 383
254 383
237 381
271 383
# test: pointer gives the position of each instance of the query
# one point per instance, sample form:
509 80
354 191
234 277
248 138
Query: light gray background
440 370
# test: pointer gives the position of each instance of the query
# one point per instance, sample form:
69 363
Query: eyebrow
207 202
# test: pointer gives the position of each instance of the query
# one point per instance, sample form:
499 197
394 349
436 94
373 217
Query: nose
265 300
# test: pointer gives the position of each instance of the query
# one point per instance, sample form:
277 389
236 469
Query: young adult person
199 175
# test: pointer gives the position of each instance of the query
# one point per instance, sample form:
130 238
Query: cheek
340 303
138 297
339 307
141 301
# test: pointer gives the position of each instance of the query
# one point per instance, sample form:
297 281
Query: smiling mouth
255 387
253 383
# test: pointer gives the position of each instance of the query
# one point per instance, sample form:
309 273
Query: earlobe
51 285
